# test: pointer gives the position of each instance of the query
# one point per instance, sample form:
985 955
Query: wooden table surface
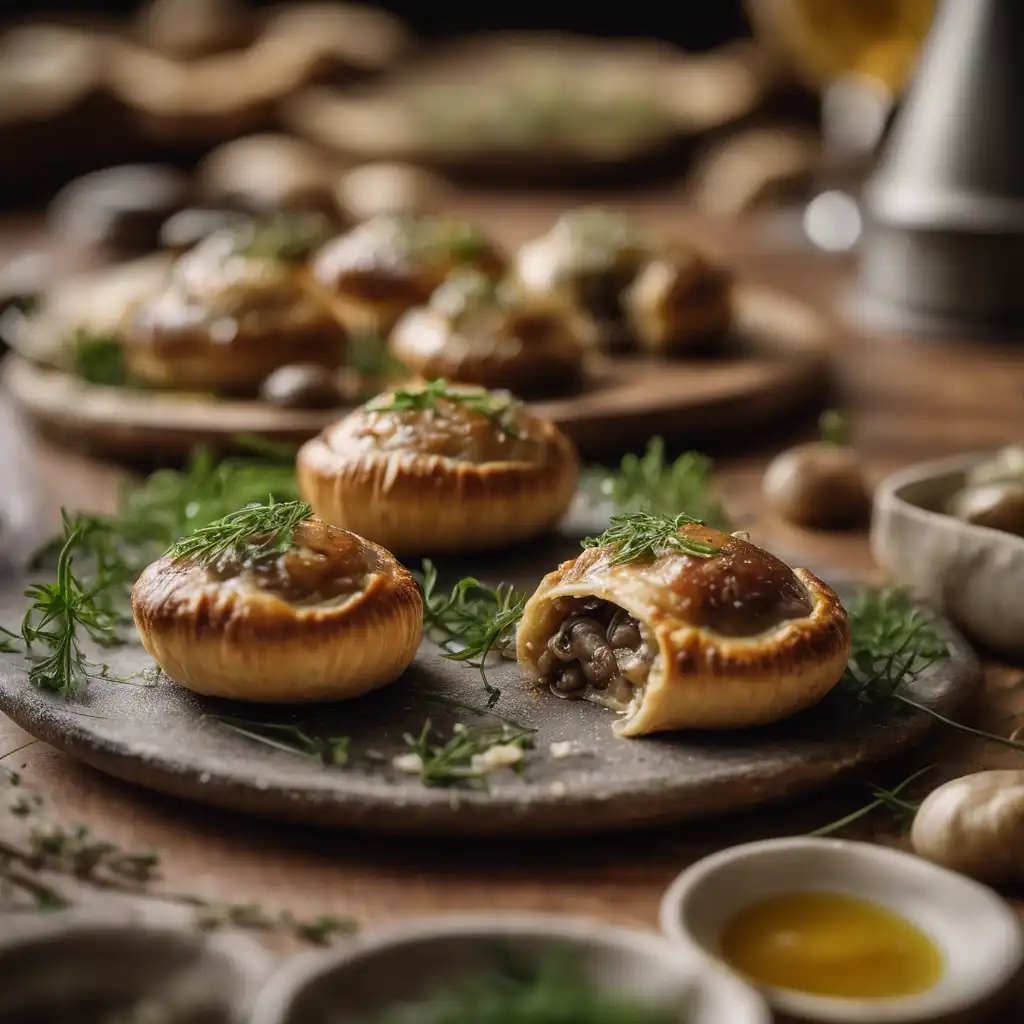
907 399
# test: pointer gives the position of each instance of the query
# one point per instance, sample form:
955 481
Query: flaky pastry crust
447 479
390 264
473 333
335 618
732 640
227 320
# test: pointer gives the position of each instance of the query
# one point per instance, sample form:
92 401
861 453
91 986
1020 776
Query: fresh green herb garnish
471 621
637 536
903 810
252 532
833 428
98 357
291 738
368 354
499 407
551 991
285 237
650 483
456 761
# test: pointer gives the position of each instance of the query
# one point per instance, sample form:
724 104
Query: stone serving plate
971 574
396 968
119 963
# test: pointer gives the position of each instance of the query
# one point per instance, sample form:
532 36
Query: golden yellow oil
831 945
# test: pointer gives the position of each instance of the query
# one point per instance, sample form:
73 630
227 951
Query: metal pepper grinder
943 248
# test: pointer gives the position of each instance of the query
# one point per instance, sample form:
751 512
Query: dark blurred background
693 25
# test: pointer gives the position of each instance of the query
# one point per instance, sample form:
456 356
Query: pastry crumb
410 763
557 789
504 755
563 749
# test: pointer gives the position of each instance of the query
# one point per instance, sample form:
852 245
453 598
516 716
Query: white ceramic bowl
977 932
410 961
971 574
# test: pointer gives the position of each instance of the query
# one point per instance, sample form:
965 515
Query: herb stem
990 737
885 798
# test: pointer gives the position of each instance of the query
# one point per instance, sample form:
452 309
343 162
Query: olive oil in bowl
829 944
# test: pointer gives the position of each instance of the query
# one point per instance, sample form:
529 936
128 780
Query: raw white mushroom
975 825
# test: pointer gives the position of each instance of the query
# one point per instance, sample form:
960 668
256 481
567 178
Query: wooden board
775 363
157 736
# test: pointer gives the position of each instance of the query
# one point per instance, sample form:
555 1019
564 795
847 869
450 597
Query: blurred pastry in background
121 208
388 189
187 228
236 308
756 169
194 28
642 293
387 265
269 173
474 331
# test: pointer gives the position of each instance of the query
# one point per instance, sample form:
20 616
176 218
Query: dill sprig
636 536
498 406
902 810
60 614
254 531
471 621
456 761
651 483
551 991
288 737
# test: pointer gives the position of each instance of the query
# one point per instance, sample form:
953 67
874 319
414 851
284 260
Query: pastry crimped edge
257 647
415 504
452 356
700 679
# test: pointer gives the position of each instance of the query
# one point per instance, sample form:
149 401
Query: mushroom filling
300 576
600 653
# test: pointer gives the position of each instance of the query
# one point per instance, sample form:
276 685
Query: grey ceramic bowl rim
278 994
887 493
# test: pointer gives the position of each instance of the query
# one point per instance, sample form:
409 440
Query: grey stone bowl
971 574
398 967
150 968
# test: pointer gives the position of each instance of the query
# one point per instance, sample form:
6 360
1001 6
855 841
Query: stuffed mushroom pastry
440 468
473 331
389 264
318 615
679 626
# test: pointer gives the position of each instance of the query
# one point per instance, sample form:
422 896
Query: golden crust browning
741 639
421 483
232 638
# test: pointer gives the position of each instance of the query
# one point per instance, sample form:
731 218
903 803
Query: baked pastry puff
387 265
237 307
724 638
473 331
333 617
440 468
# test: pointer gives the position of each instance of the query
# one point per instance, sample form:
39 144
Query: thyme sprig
457 760
498 406
651 483
636 536
288 737
254 531
472 621
902 809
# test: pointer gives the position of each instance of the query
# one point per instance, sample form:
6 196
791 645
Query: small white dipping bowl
977 933
411 961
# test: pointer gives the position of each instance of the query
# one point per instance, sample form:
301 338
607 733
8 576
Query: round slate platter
159 736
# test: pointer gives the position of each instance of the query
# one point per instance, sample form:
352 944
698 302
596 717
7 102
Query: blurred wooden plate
776 362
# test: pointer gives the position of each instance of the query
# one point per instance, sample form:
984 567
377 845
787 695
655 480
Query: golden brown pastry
700 630
333 617
238 306
439 468
640 293
389 264
475 332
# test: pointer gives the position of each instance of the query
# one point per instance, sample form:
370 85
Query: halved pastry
640 292
678 626
389 264
440 468
330 617
238 306
475 332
